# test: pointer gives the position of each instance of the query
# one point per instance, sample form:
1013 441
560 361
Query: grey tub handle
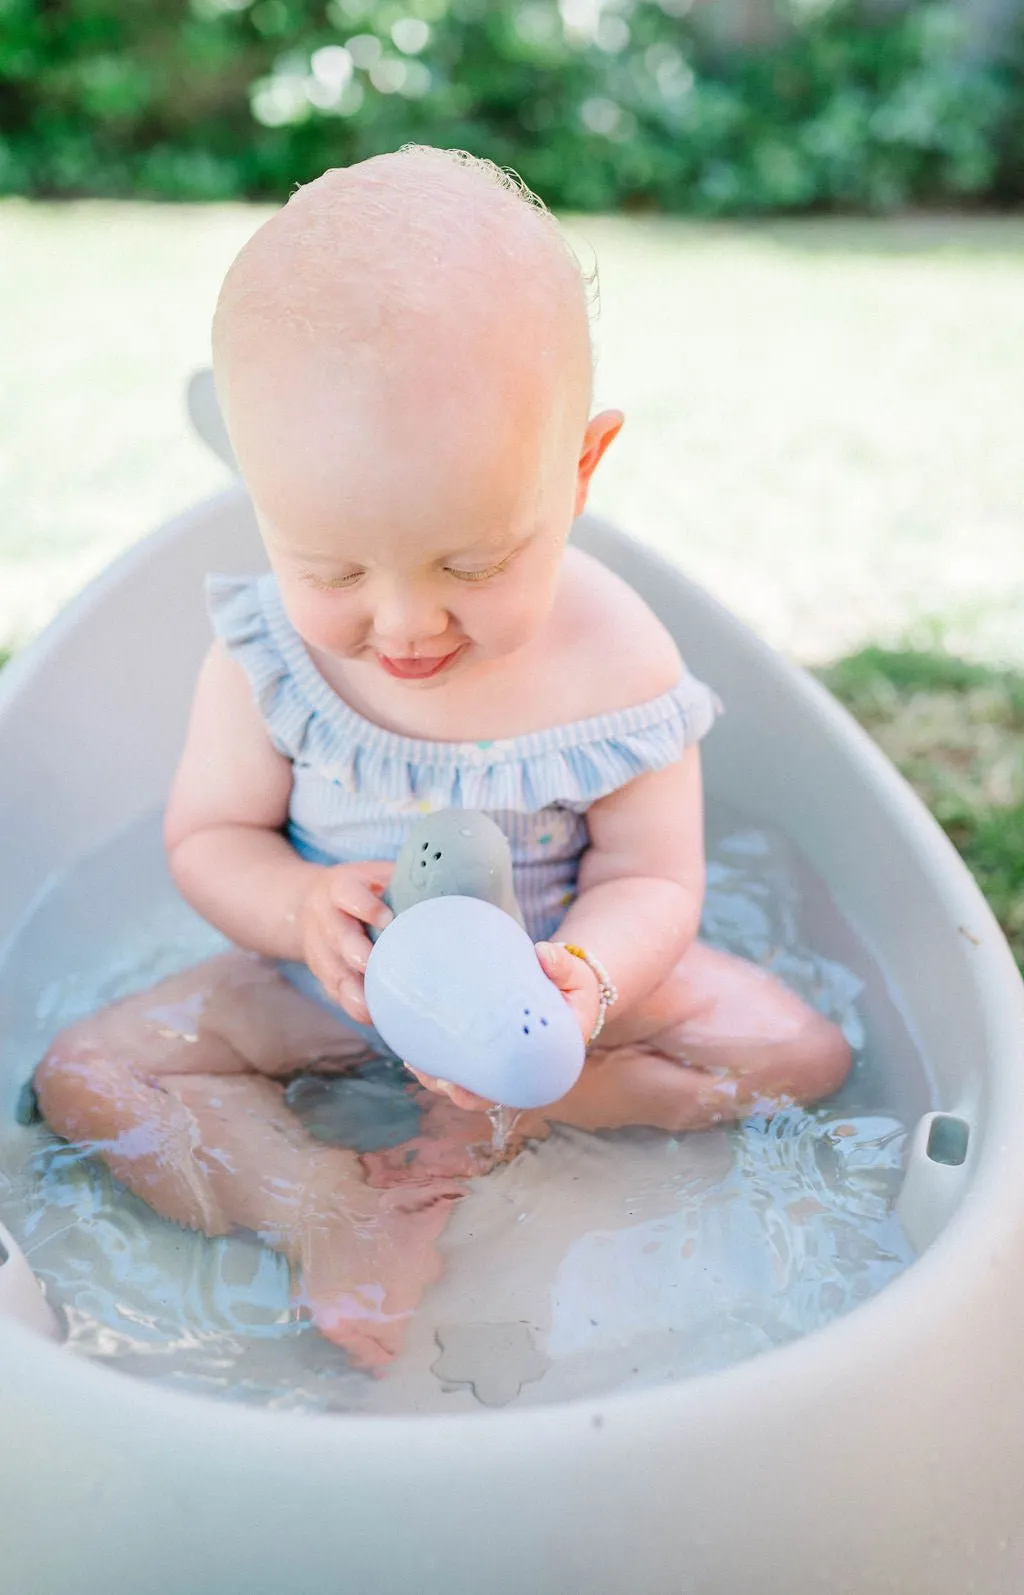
21 1295
937 1175
204 413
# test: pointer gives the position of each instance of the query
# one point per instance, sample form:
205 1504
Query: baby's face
404 358
417 529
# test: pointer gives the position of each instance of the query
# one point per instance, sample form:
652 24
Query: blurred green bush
600 104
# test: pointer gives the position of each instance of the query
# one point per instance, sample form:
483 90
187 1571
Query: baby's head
403 357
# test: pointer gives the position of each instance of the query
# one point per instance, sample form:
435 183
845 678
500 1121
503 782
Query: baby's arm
230 860
222 827
640 889
641 881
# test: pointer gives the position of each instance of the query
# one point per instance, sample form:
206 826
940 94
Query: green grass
956 731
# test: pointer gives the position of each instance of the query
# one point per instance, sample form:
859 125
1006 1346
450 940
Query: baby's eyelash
331 583
476 575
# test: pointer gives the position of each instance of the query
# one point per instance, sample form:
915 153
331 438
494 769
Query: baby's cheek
324 620
505 622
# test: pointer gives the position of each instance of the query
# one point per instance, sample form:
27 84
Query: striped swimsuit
357 788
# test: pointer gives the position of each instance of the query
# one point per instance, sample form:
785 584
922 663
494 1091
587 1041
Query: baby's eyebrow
307 556
489 546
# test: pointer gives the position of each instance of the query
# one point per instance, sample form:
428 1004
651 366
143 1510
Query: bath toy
495 1360
454 853
455 988
453 984
882 1455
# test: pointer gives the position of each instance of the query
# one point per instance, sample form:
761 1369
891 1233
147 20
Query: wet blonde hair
510 182
362 249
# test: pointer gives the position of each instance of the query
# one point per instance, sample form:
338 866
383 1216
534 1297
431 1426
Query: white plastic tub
883 1454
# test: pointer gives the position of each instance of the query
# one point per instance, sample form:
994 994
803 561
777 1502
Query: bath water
586 1264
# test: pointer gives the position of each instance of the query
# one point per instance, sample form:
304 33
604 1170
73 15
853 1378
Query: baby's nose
405 619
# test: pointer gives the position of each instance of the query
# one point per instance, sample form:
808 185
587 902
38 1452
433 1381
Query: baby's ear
601 431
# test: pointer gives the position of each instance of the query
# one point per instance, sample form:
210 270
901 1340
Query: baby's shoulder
614 646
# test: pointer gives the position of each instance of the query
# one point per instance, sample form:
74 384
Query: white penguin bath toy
454 986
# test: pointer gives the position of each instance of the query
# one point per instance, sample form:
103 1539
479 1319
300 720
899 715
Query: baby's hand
581 990
342 899
455 1093
576 981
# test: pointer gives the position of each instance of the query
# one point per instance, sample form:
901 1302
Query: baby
403 358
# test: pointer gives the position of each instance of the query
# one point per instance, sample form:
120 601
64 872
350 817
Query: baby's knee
69 1048
70 1061
821 1059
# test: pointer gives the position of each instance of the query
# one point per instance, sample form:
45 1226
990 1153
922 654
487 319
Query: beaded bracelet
609 993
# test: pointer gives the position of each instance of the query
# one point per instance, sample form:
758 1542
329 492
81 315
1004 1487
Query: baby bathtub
884 1453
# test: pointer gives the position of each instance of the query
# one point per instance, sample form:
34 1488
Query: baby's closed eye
482 563
331 583
481 575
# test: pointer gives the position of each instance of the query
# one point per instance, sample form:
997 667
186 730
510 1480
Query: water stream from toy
502 1121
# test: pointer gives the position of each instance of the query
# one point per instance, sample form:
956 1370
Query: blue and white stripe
358 787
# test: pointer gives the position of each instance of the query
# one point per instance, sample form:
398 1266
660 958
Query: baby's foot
452 1144
364 1272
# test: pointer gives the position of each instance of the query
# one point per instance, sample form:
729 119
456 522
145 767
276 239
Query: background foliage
600 104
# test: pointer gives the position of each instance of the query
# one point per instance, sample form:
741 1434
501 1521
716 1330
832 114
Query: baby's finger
566 971
355 948
357 898
351 997
456 1094
429 1082
331 970
468 1100
577 983
375 873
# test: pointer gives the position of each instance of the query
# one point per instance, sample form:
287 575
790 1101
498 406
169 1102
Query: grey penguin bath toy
453 984
454 853
455 988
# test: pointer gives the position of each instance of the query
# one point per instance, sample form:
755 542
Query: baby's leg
718 1040
452 1144
171 1089
364 1256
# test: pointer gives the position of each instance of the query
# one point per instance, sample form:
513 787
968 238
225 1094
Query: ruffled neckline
572 764
326 701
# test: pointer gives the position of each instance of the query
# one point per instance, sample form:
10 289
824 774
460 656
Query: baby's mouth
420 668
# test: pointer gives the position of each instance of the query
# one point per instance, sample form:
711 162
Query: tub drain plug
495 1360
